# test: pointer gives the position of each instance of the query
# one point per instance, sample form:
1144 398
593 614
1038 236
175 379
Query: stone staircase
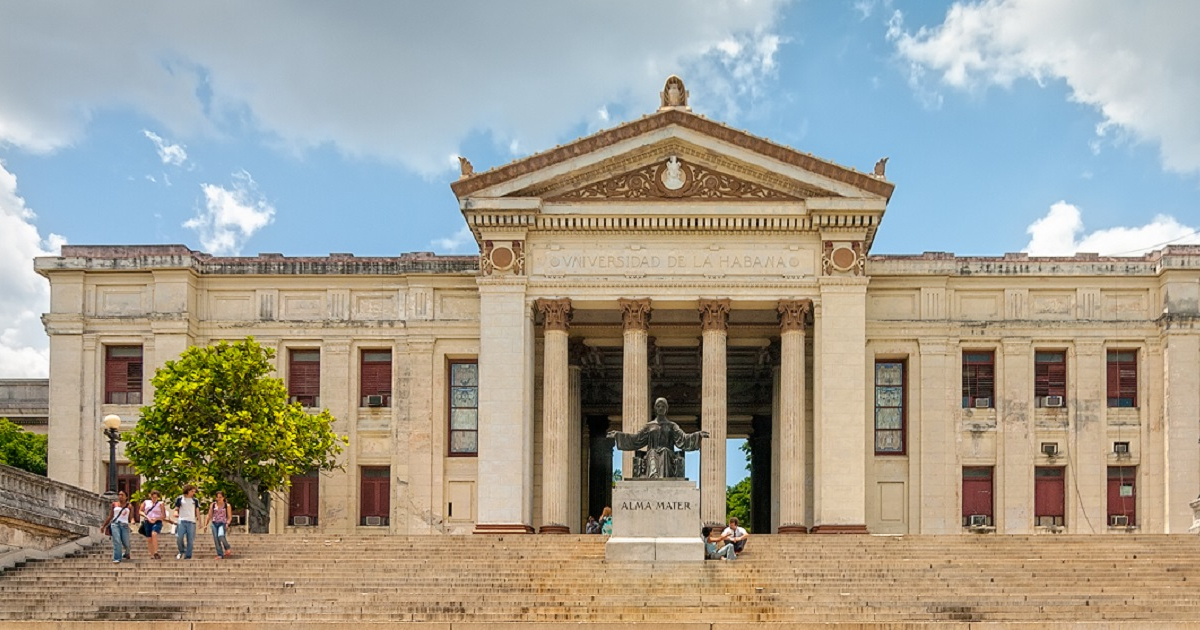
1128 581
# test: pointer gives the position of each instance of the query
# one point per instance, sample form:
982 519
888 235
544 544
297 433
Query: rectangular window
127 479
375 379
123 375
304 499
374 493
977 496
304 377
464 408
1049 496
890 383
1122 496
1122 378
1050 378
978 379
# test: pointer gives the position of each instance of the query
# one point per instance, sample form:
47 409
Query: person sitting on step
715 545
736 535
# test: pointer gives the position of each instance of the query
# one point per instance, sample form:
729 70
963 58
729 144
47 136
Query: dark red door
375 500
977 493
1049 496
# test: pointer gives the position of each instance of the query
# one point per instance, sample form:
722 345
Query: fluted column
792 464
714 326
556 316
635 383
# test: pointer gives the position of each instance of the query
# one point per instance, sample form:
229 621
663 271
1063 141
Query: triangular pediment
671 155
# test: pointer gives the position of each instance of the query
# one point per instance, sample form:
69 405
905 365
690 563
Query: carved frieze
502 256
846 258
556 314
674 178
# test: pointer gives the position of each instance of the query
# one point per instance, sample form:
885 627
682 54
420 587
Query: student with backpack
186 509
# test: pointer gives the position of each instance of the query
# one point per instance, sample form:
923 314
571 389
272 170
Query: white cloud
172 154
230 215
1135 62
24 348
460 242
1059 234
309 73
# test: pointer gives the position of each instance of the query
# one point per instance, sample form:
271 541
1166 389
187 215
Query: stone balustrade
39 512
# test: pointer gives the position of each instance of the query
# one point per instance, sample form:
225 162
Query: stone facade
673 256
25 402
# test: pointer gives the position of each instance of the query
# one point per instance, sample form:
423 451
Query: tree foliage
221 422
22 449
737 503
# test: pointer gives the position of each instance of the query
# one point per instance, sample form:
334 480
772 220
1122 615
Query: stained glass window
890 384
464 408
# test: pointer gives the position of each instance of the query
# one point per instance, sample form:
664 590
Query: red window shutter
1113 379
376 374
304 375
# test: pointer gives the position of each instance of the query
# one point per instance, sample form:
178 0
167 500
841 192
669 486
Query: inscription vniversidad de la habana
682 262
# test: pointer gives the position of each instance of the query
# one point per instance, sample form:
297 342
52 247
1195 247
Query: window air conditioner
301 521
374 521
1050 449
235 520
375 400
978 520
1052 401
983 403
1121 448
1118 520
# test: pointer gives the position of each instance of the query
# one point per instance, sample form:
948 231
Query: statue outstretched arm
629 441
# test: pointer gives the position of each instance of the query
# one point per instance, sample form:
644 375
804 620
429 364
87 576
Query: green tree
737 503
221 422
22 449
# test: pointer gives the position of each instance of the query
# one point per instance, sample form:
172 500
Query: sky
304 127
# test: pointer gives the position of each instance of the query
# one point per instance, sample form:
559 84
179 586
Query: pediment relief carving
674 178
670 171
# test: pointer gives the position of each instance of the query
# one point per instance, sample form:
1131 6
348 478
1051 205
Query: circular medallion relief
843 258
502 257
672 176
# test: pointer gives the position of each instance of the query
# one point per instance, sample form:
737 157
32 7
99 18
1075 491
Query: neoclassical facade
674 256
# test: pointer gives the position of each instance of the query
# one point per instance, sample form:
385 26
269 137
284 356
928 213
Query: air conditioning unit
1050 449
373 521
1118 520
978 520
375 400
301 521
1121 448
983 403
235 520
1052 401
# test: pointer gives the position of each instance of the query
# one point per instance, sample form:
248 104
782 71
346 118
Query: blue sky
304 128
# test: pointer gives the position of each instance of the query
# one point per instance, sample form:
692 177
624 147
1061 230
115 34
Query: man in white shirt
186 508
735 535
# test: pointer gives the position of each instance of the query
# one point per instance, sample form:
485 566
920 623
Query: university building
674 256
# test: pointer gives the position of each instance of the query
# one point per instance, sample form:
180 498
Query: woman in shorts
153 514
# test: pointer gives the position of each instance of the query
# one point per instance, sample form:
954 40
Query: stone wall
38 513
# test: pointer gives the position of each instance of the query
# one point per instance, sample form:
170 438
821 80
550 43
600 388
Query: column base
554 529
793 529
503 528
839 529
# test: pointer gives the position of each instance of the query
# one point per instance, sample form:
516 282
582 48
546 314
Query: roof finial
880 166
464 167
674 95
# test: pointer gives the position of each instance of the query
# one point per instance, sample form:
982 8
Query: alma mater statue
660 437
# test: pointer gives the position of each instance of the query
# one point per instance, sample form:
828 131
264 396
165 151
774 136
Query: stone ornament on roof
464 167
674 95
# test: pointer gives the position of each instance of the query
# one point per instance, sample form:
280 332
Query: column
635 384
505 408
792 316
1181 408
714 325
840 429
1012 477
576 442
555 400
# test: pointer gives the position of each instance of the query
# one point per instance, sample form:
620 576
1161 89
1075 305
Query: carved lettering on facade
683 262
656 505
673 179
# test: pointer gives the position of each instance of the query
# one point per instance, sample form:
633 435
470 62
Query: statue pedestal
655 520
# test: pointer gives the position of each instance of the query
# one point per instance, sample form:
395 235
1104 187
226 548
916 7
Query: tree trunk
259 510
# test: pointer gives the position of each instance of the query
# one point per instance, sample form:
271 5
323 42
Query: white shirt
732 533
187 509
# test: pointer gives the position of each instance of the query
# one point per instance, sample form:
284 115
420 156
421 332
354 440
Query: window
978 379
375 500
375 379
304 377
889 407
127 479
1049 496
304 498
1050 378
977 496
1122 496
1122 378
464 408
123 375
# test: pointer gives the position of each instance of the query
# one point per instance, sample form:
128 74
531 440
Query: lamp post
112 430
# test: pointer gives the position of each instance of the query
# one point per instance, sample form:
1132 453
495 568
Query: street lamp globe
112 431
112 422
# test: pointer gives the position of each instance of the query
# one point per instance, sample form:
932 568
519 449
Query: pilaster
1181 430
339 488
714 323
1088 443
934 459
1013 480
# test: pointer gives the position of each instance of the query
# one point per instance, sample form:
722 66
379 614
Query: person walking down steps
218 520
186 509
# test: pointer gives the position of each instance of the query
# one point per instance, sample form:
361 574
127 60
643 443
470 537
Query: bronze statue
660 437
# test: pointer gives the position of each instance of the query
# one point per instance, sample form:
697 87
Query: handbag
144 528
107 529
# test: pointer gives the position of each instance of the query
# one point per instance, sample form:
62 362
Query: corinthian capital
635 314
714 314
556 314
792 314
